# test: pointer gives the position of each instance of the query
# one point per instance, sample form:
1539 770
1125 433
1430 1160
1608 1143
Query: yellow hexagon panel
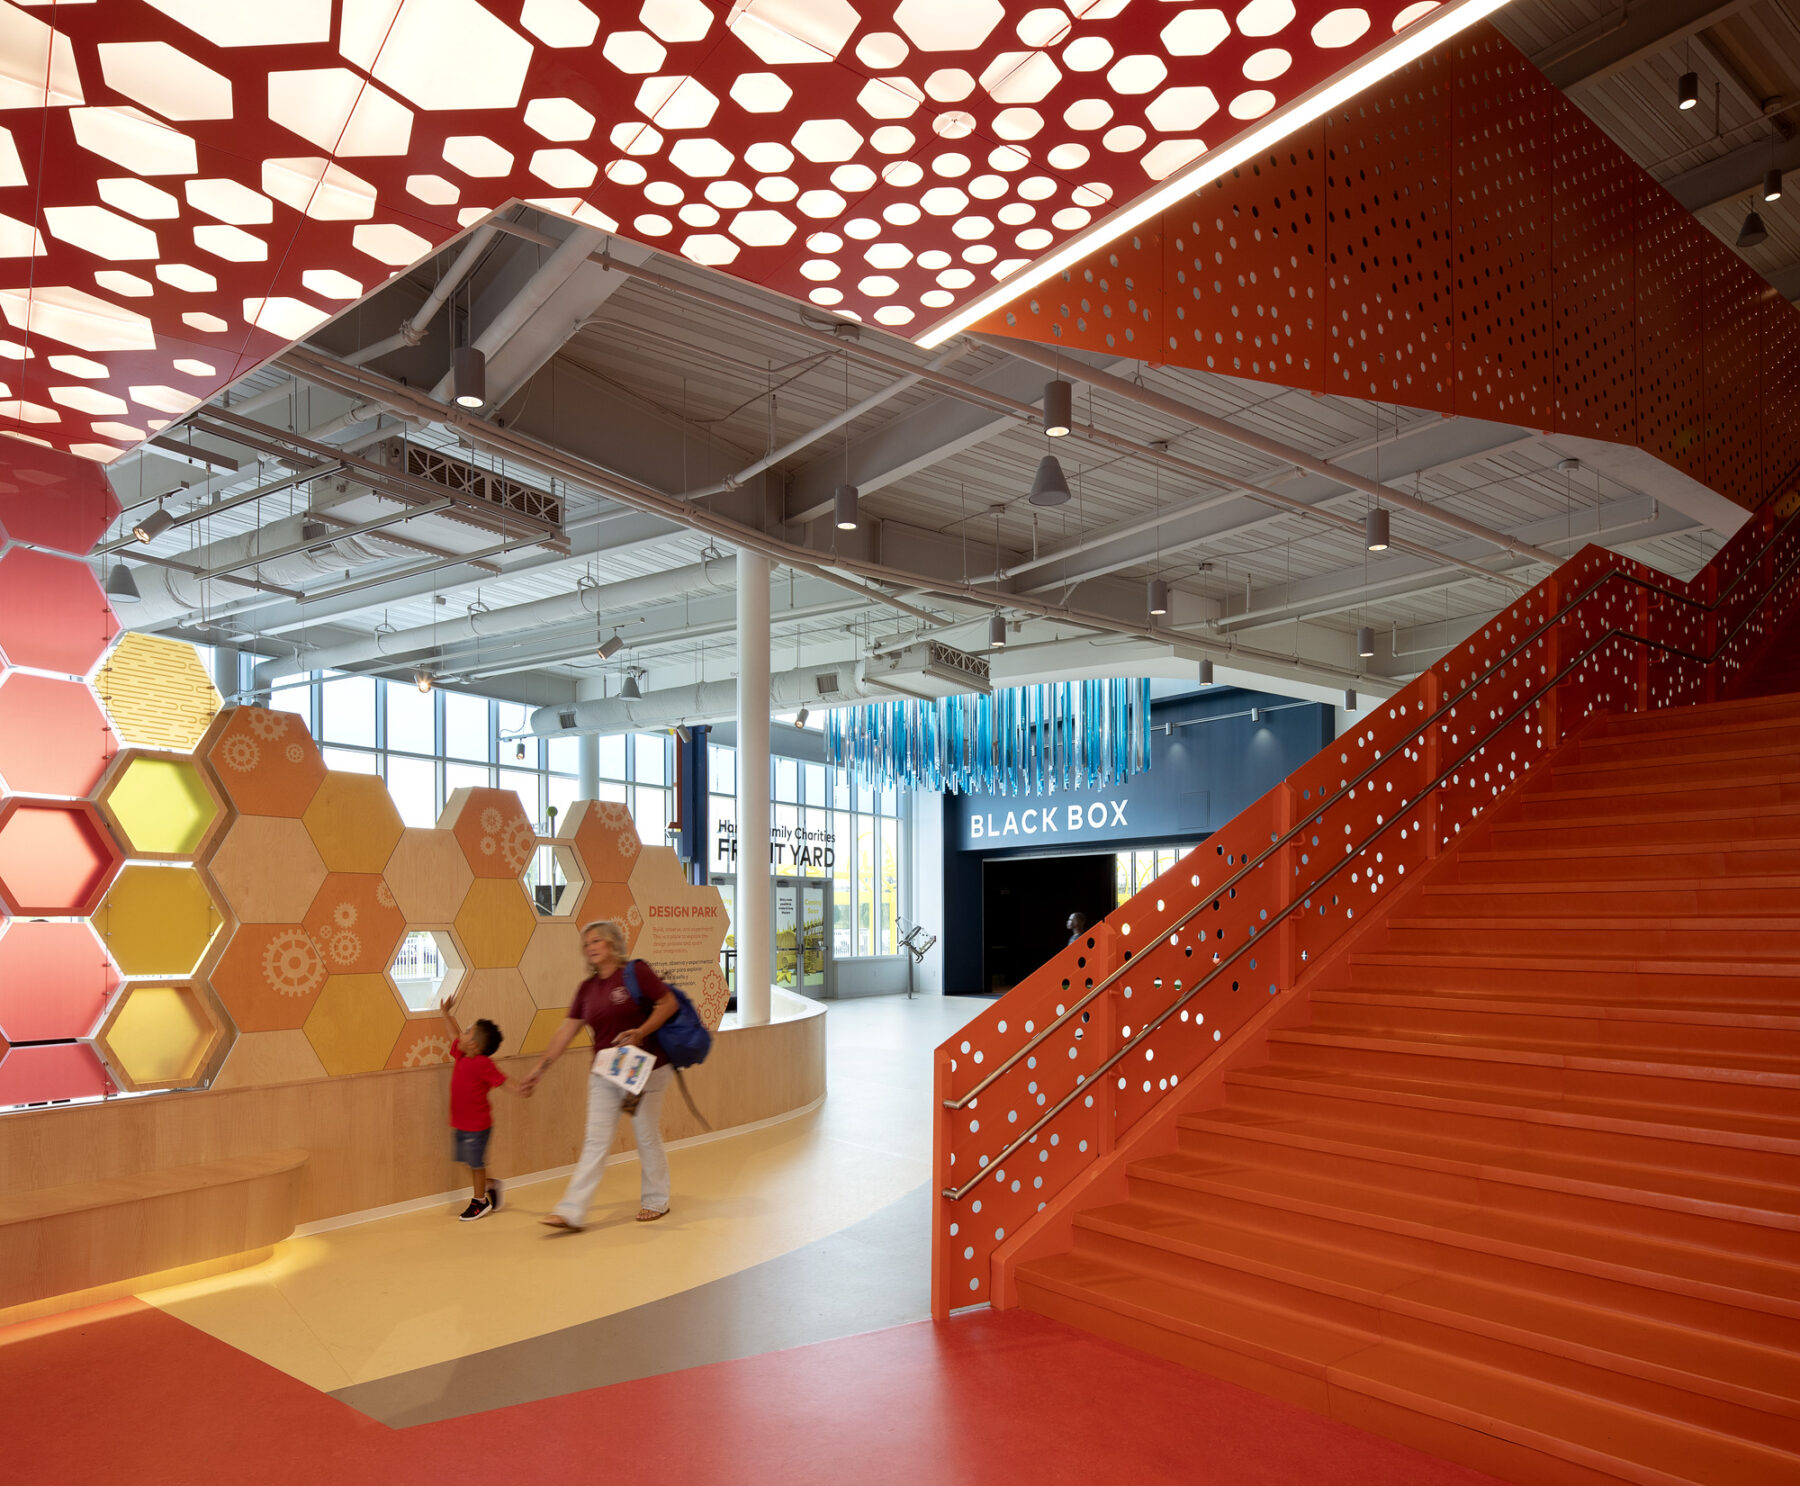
553 966
429 877
159 1036
543 1028
353 822
258 1059
496 923
157 693
355 1023
160 805
267 869
157 920
499 996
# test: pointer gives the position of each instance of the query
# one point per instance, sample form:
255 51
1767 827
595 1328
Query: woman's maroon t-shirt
470 1079
608 1008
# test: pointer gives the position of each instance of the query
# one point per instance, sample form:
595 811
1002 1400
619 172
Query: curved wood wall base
104 1192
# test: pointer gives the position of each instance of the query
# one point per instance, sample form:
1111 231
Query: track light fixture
1049 487
1256 716
844 504
629 691
1350 700
1158 597
1687 91
422 680
1753 231
1365 642
121 587
154 524
609 647
519 752
468 376
1375 529
1059 406
800 717
997 631
682 733
1772 185
1206 674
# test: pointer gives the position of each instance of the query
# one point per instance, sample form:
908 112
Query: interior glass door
787 932
815 937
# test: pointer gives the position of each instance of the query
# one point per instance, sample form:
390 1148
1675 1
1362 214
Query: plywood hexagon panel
499 996
54 739
55 981
157 693
495 923
159 1036
266 762
54 1071
162 806
157 920
355 922
553 966
56 858
429 877
257 1059
353 822
55 617
355 1023
493 830
269 976
267 869
605 838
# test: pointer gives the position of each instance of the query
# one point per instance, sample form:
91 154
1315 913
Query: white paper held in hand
628 1067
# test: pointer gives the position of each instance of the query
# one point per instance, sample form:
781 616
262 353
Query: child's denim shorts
471 1146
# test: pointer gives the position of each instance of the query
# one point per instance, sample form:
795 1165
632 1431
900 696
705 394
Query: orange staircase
1522 1185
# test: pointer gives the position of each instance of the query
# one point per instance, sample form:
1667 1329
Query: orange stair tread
1775 1071
1752 1016
1574 963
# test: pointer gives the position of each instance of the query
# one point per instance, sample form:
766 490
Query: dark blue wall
1199 778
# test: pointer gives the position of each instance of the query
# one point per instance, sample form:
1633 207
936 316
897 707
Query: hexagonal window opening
427 968
555 880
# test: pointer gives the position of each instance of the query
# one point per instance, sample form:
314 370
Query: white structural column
587 768
755 964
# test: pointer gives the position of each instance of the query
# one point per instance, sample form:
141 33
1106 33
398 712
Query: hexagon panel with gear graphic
423 1041
160 1036
355 922
605 839
265 762
492 828
157 920
267 869
269 976
353 822
613 900
429 876
496 923
161 805
355 1023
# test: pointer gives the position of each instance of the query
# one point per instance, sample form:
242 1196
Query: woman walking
622 1002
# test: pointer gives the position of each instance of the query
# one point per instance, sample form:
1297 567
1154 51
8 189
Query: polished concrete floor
800 1232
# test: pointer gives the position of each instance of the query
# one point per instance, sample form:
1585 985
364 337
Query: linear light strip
1423 36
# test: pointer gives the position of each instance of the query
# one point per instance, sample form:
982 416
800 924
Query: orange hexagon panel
496 923
355 1023
269 976
429 876
353 822
161 805
54 739
55 617
605 839
613 900
267 869
355 923
157 920
266 762
423 1041
160 1037
493 830
157 693
553 965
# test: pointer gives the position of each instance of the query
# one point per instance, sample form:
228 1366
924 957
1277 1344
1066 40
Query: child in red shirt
472 1074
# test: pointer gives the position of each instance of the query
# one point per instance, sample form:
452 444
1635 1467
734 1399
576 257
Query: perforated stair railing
1044 1082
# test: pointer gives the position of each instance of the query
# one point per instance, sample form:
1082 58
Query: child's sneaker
475 1210
494 1196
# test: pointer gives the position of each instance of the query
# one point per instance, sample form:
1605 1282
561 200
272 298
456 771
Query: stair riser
1642 1212
1698 1157
1738 714
1781 995
1548 1079
1626 866
1718 833
1549 807
1761 763
1416 936
1643 900
1621 1037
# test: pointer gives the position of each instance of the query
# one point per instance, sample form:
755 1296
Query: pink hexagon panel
244 171
55 981
55 617
56 858
54 739
48 499
52 1072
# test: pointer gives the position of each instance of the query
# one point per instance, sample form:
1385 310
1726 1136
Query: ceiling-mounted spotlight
154 524
629 691
997 631
1158 597
800 717
468 376
1365 642
682 733
422 680
1257 714
609 647
1375 529
1350 700
1059 405
519 752
1753 231
121 587
1049 487
843 503
1687 91
1206 672
1772 185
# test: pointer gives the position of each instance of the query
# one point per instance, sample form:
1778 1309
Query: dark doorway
1025 905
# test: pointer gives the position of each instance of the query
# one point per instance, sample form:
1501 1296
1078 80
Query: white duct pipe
413 330
611 598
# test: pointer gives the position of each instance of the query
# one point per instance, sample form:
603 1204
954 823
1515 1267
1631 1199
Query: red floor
126 1393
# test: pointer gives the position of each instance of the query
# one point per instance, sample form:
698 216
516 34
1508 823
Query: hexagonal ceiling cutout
54 739
265 762
160 805
56 858
157 920
55 617
55 981
269 976
272 100
160 1037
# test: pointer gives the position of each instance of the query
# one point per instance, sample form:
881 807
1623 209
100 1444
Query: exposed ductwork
828 685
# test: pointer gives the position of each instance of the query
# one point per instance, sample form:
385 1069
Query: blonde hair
608 929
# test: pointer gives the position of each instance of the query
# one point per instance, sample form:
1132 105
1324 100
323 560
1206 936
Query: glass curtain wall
1136 870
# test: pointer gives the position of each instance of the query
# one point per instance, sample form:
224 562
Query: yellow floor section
384 1297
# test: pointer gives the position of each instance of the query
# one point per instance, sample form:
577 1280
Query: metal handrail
1316 815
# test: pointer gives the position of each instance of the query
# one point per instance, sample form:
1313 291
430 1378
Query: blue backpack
683 1039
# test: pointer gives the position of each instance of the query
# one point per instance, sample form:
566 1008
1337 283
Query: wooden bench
58 1240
